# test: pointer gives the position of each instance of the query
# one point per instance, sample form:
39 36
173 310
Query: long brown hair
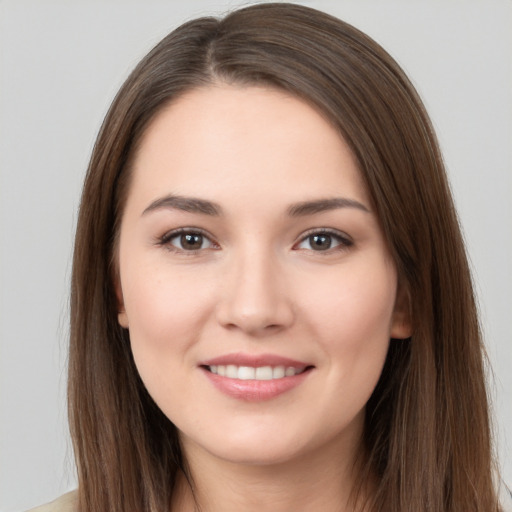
427 436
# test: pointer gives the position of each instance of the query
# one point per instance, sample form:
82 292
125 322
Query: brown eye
324 241
320 242
191 241
186 241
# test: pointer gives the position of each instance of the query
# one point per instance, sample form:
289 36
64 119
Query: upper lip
254 360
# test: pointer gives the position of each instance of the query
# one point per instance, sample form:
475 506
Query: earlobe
401 327
122 317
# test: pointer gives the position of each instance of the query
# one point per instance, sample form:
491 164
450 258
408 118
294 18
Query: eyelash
166 239
344 242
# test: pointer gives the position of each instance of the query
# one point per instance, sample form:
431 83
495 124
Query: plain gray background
60 65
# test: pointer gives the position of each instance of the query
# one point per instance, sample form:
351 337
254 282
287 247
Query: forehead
244 141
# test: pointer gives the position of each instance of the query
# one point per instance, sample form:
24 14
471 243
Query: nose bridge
255 298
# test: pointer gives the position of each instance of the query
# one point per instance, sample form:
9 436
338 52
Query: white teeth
232 371
278 372
259 373
290 371
264 373
246 373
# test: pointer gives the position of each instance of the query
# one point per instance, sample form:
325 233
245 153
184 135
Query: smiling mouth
232 371
255 378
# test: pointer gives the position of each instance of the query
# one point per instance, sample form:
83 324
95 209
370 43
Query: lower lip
255 390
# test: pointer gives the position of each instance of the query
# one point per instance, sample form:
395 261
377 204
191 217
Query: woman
271 303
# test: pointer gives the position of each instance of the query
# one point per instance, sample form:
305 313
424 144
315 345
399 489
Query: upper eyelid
345 242
168 235
165 240
327 231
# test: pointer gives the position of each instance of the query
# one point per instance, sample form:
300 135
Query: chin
257 443
257 453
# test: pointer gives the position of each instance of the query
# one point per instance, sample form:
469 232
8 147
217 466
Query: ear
401 324
122 317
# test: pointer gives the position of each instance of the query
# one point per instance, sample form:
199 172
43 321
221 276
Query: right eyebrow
186 204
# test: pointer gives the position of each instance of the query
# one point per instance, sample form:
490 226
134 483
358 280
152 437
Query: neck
322 480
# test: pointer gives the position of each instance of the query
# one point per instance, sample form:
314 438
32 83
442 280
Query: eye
324 240
187 240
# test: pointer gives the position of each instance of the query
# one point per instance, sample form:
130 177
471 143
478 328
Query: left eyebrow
322 205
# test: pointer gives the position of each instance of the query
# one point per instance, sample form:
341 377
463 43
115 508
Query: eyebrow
205 207
323 205
186 204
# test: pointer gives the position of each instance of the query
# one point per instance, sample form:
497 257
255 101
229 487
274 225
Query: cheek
352 316
357 297
165 311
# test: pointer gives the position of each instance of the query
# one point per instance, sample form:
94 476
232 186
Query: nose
255 298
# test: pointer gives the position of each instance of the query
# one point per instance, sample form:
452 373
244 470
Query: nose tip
255 321
256 303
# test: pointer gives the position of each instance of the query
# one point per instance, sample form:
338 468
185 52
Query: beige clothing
66 503
505 498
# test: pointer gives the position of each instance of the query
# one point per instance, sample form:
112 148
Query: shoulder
66 503
505 498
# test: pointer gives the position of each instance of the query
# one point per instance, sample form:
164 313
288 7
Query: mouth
232 371
255 377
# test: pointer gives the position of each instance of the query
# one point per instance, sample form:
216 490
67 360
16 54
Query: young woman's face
254 278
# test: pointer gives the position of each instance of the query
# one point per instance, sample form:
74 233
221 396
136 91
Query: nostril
254 313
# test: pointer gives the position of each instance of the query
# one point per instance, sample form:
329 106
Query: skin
257 284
